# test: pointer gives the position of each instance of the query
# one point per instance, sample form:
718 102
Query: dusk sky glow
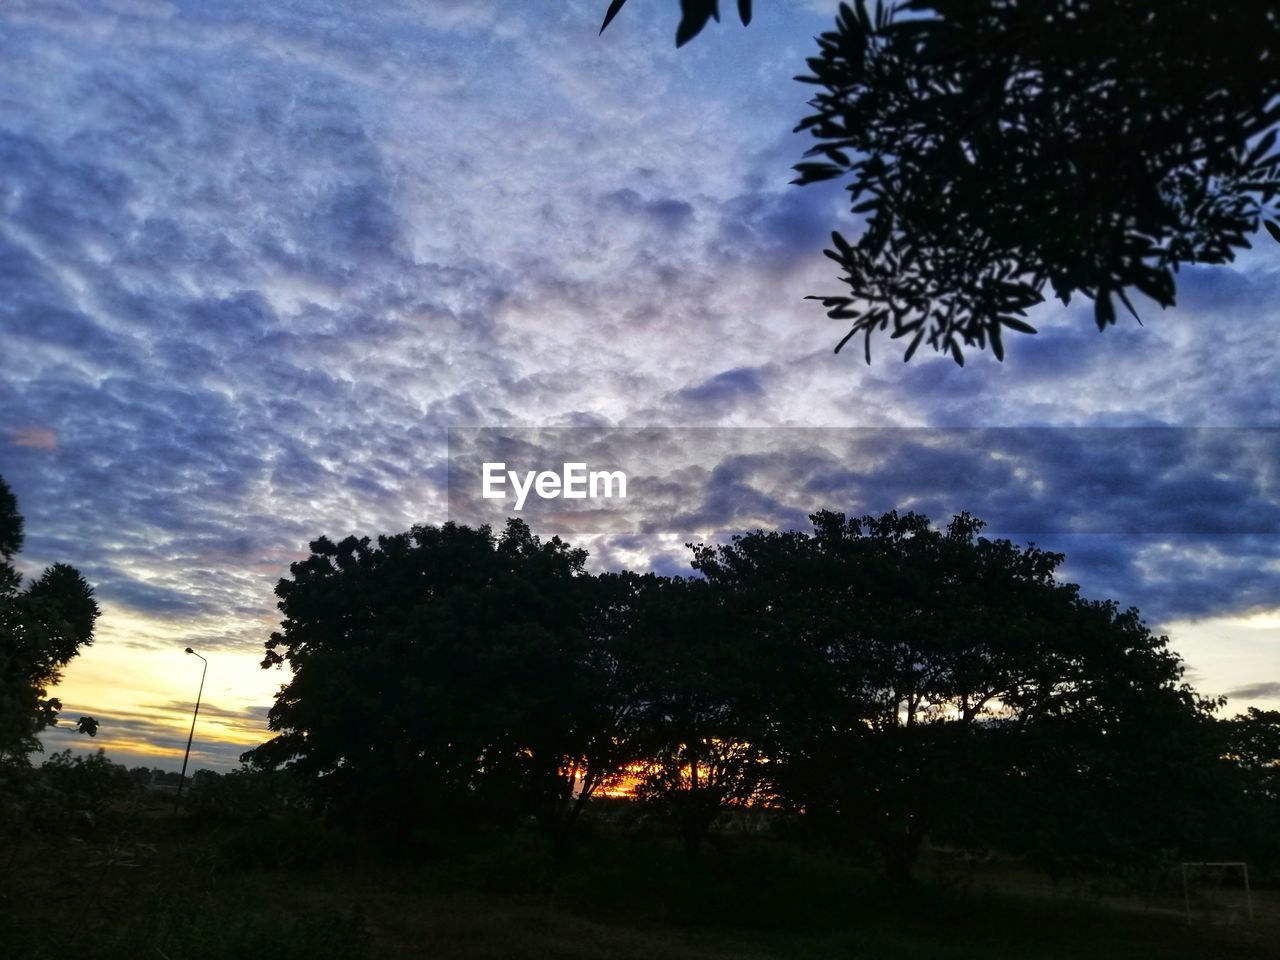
258 259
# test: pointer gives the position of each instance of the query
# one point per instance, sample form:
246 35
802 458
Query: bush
90 781
242 795
65 795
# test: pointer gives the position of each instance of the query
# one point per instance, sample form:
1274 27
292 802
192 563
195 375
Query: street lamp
183 778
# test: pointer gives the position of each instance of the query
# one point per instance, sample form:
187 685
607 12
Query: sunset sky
258 259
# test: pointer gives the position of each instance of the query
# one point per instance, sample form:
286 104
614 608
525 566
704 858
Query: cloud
667 213
259 259
781 225
1181 522
1256 691
156 734
37 438
723 391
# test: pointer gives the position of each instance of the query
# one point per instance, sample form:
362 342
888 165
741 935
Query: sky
258 260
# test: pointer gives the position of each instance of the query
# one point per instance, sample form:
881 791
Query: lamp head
189 650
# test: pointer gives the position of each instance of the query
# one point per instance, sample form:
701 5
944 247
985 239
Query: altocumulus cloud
257 259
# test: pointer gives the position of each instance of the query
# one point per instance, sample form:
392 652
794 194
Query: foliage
147 777
694 15
445 672
695 694
41 628
996 148
916 681
1253 744
69 794
89 781
1254 741
880 679
247 794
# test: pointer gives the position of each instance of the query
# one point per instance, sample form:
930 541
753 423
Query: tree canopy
42 627
453 664
995 149
878 679
919 679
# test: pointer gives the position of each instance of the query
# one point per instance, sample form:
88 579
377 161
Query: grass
159 887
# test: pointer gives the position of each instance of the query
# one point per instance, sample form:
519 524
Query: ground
155 885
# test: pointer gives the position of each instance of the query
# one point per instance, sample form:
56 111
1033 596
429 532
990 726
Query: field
169 888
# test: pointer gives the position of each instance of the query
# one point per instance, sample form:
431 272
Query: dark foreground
170 888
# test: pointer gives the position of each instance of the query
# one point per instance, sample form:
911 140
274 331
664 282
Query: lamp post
183 778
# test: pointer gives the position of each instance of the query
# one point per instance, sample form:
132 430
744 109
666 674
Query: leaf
846 18
695 14
1019 325
915 342
1104 311
1125 300
1273 228
1260 151
814 172
1156 284
863 18
744 12
611 13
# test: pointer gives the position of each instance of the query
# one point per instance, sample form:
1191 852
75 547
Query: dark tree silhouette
41 628
1253 743
997 147
907 675
879 678
697 693
450 670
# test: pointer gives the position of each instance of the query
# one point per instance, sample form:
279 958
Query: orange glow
38 438
625 784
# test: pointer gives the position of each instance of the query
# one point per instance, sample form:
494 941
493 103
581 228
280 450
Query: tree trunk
697 813
563 814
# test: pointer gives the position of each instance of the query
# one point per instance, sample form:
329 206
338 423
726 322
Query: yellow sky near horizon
137 681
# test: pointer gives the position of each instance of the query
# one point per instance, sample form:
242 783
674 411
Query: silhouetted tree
609 711
996 147
1253 746
697 691
41 628
1254 743
87 783
450 672
1126 775
915 670
883 679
